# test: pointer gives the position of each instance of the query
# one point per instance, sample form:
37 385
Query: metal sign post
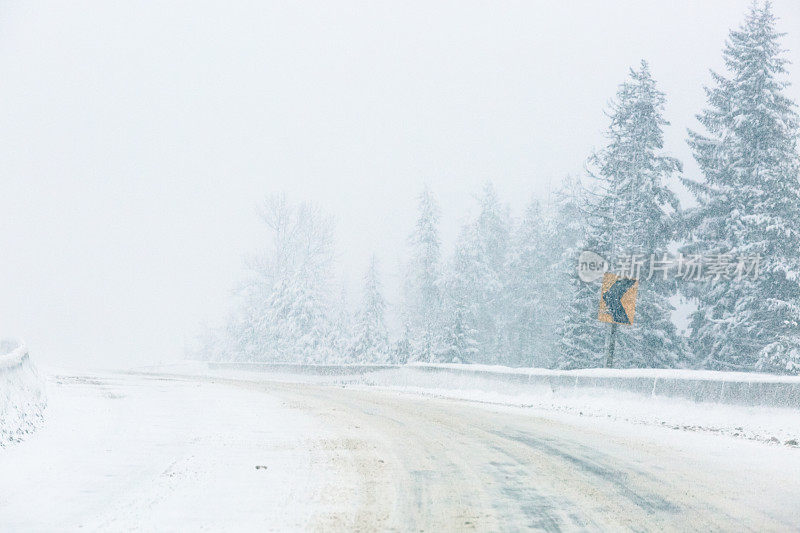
610 345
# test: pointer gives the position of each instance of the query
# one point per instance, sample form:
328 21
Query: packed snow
120 452
620 397
135 451
22 394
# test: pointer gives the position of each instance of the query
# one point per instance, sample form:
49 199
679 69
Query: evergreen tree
342 329
632 213
749 205
459 344
580 336
423 300
371 343
476 284
401 350
533 308
296 324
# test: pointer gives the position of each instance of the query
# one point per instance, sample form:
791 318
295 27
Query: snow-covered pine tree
459 343
372 340
342 329
422 295
459 335
401 349
580 336
749 205
532 295
476 282
633 212
299 316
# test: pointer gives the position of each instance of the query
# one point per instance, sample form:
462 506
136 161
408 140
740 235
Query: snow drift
22 395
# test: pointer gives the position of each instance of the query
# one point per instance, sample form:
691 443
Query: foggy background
136 139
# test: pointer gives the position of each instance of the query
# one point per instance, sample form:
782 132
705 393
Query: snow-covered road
122 452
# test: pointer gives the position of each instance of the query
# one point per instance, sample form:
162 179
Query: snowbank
22 395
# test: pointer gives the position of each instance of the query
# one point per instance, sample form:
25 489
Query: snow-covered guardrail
22 395
738 388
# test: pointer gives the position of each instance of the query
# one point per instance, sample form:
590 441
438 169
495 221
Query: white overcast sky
136 138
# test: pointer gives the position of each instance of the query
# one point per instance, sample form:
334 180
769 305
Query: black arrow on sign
613 300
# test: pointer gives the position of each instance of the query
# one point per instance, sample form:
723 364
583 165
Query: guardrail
739 388
736 388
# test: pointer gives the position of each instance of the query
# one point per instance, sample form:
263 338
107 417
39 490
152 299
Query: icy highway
125 451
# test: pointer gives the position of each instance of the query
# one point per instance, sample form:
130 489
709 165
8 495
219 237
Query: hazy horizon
137 140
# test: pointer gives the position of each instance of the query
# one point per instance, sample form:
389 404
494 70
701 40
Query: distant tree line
509 293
